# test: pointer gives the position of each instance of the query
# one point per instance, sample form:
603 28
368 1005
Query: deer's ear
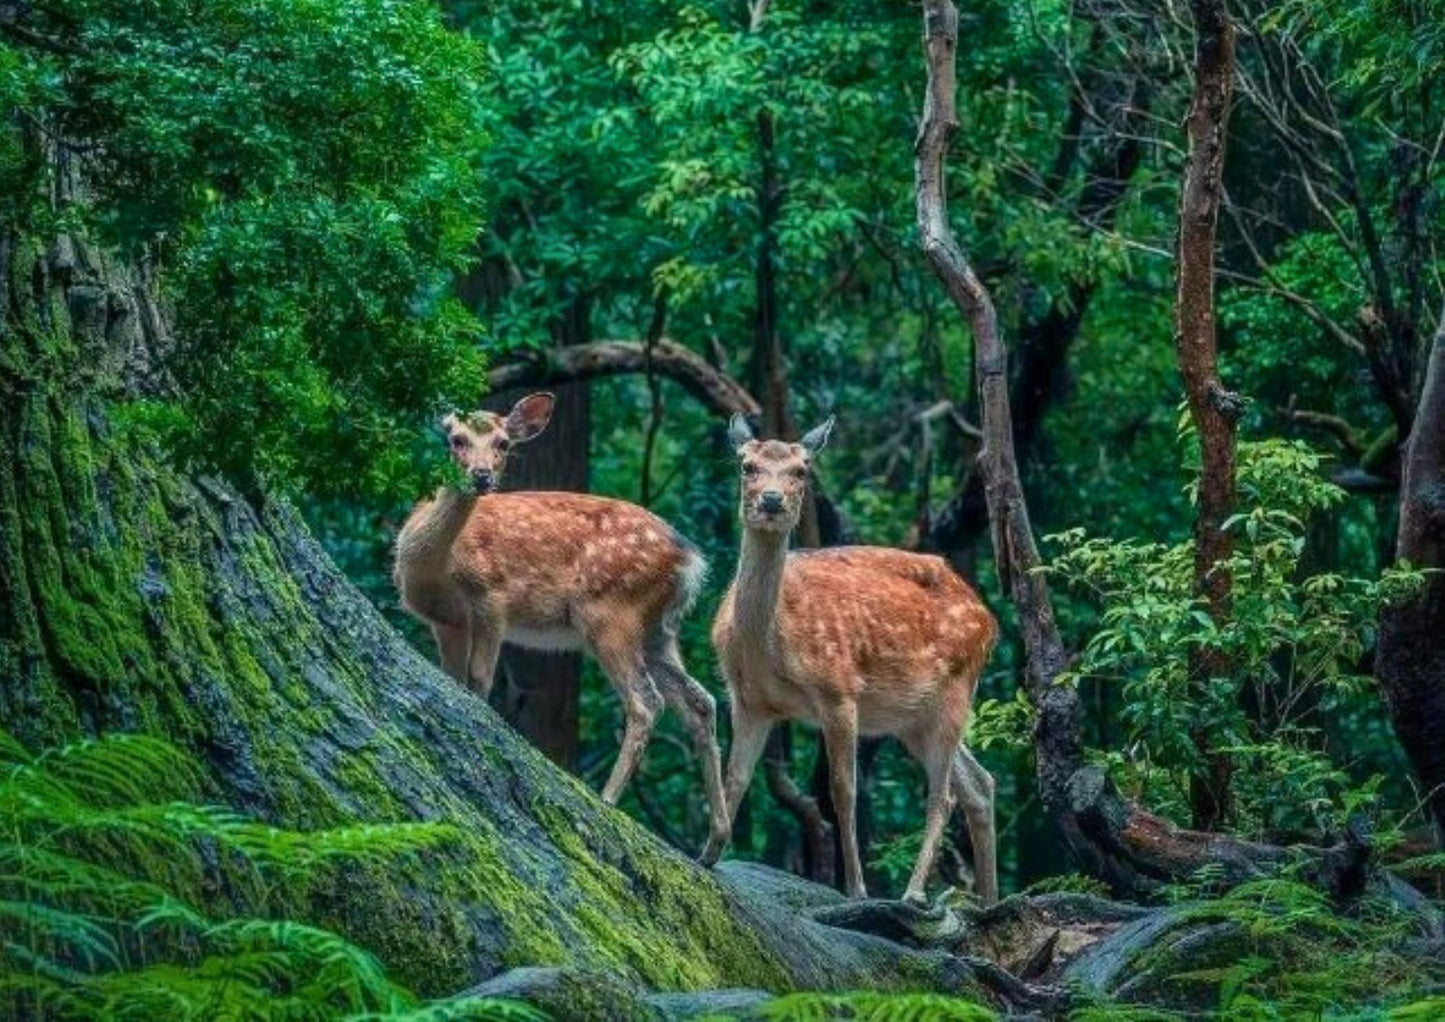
817 438
529 416
448 422
739 432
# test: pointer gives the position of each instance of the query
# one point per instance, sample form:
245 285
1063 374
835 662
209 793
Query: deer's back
545 556
898 632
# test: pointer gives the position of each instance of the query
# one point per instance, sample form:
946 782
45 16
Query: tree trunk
541 691
1213 409
1044 342
1410 661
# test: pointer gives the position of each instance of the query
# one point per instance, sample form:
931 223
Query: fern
1421 865
101 866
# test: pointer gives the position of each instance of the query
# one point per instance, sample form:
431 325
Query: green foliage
110 903
875 1007
1293 642
1298 955
304 175
1069 883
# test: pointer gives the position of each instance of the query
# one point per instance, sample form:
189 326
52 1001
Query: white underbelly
552 640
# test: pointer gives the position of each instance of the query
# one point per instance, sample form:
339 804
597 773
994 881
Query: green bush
1294 642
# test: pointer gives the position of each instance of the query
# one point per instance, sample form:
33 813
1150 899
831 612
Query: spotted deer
557 571
855 640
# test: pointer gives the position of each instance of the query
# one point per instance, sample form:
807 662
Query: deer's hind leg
619 650
698 710
934 750
454 646
974 787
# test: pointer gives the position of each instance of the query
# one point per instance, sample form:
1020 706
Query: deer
855 640
557 571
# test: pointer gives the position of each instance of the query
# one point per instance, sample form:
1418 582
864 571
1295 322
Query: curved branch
717 391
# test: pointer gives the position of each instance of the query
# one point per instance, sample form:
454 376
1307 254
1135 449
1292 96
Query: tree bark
1410 662
542 690
1213 409
1045 341
1058 744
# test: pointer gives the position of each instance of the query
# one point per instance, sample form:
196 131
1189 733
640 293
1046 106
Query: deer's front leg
840 737
454 645
750 736
486 647
974 786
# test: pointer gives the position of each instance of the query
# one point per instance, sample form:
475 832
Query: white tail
854 640
558 571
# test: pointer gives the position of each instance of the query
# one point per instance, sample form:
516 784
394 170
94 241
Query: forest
447 445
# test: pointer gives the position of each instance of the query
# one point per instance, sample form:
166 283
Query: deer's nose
483 480
771 502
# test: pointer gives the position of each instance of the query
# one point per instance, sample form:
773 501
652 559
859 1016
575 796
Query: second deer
856 640
558 571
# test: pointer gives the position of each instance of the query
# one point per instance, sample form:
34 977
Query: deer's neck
758 585
428 537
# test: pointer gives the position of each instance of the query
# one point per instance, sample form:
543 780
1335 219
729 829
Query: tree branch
715 390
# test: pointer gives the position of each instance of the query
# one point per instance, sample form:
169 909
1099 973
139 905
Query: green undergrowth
864 1006
875 1007
116 894
1280 949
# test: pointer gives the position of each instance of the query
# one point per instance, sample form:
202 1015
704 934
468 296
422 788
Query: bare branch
717 391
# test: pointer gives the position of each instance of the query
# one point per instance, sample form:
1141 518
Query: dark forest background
253 250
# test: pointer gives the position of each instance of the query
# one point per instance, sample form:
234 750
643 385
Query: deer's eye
458 442
799 473
504 444
749 469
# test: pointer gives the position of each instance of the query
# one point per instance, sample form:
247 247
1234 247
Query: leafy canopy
305 176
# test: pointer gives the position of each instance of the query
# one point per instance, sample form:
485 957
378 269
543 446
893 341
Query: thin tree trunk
1213 409
1410 662
1058 745
542 691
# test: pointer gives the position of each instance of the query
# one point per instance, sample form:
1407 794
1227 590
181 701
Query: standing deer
558 571
854 640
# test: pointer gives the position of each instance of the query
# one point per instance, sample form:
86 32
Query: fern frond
464 1009
79 936
122 769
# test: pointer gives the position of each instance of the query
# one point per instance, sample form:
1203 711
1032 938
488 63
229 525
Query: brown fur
558 571
856 640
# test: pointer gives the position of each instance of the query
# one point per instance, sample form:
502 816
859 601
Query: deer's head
774 475
481 441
